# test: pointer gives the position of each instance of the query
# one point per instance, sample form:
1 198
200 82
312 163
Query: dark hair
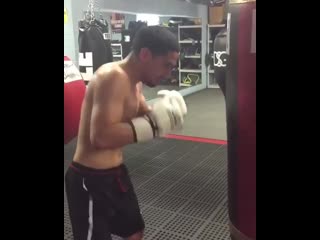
158 40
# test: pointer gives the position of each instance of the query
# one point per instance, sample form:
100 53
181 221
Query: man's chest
131 106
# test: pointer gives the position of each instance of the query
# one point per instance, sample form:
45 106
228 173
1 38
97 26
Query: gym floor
181 184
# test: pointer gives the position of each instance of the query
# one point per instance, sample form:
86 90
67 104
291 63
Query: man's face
158 68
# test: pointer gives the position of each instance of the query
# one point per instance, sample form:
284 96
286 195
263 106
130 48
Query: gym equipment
134 27
94 45
176 21
220 59
191 79
240 94
126 43
74 91
128 36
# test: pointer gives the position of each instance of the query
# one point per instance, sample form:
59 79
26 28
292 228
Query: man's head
158 50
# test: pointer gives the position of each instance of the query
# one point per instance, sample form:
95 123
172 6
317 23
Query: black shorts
101 203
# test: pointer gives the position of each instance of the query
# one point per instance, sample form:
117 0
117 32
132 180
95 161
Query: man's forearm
143 108
115 136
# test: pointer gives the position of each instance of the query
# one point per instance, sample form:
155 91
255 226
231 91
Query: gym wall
166 7
128 18
69 37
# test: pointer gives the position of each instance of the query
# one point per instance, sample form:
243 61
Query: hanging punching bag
104 26
240 93
220 59
94 50
74 91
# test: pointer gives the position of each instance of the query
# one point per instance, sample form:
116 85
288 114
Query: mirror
122 27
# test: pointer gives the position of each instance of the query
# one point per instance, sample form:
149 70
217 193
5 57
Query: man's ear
145 54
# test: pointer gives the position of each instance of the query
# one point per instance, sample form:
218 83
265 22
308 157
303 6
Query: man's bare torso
88 155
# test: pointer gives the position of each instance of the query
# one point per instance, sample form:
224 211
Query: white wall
163 7
69 47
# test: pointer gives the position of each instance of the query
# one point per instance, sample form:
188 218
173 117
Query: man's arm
143 106
107 130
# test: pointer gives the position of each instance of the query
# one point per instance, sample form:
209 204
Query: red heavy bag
241 118
74 91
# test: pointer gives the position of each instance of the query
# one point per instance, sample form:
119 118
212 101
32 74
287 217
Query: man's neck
133 68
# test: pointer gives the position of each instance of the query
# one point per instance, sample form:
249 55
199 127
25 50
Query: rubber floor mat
181 188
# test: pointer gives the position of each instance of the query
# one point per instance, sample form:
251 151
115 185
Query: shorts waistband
92 171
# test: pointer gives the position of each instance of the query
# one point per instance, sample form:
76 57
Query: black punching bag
104 26
240 94
220 59
94 50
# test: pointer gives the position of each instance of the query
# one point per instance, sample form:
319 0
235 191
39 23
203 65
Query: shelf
117 50
216 25
191 70
194 56
185 85
192 38
190 26
190 41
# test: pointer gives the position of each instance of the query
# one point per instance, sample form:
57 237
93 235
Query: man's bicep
107 106
104 115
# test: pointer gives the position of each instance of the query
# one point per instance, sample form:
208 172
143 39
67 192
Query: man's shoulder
109 70
111 74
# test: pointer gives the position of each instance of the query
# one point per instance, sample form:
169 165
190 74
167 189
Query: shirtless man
114 114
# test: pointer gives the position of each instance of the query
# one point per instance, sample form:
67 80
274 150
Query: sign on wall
65 16
117 22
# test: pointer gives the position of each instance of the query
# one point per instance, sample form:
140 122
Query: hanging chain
91 9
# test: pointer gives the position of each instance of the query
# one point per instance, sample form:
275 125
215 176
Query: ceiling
204 2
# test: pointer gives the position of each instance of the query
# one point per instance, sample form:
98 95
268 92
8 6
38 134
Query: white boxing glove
165 116
176 95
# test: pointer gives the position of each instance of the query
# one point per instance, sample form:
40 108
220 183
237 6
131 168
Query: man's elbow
99 141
